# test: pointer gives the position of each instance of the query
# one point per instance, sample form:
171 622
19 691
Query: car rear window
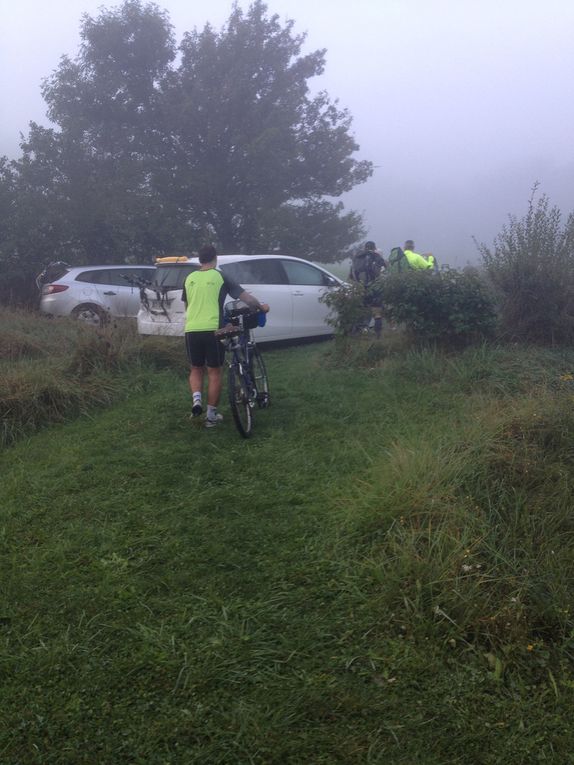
52 272
256 271
173 277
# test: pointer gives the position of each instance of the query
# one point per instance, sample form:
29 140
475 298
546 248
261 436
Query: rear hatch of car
161 301
51 273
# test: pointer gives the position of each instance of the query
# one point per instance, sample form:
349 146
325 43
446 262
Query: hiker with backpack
366 267
407 259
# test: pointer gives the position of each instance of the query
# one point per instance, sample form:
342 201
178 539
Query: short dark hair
370 246
207 253
409 244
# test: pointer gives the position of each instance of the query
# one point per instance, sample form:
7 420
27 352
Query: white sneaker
196 409
212 422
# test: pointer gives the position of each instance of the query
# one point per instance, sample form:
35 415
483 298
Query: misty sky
461 104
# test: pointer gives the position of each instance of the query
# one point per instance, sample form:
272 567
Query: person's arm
184 297
237 292
420 262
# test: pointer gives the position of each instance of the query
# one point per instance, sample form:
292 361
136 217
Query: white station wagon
291 286
93 294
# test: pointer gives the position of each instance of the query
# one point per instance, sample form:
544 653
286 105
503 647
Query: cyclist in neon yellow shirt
415 261
204 294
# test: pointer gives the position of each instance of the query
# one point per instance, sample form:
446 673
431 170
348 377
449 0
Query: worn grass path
175 595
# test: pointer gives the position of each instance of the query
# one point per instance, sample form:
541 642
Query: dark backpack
366 267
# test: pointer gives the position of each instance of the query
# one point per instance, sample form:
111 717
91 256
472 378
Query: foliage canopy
150 154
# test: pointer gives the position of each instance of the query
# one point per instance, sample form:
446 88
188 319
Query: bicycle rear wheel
260 379
239 401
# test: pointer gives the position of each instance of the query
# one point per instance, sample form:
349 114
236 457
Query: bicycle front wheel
260 379
239 401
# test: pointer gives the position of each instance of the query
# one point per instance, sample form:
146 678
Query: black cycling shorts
204 349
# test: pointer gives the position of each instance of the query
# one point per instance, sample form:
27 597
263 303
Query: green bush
531 266
451 309
349 309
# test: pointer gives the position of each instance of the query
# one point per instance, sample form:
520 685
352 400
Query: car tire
90 314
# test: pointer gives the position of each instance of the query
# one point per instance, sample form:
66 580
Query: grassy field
383 574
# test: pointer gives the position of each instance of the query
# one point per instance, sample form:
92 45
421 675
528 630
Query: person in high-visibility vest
415 261
204 293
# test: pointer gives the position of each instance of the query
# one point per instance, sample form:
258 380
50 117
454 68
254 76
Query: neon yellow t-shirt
204 293
416 261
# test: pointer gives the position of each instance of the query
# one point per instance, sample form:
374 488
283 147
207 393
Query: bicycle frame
240 347
248 385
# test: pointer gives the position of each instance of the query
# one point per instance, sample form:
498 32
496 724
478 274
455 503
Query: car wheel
90 314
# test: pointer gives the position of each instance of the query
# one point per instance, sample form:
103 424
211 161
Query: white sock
211 412
197 397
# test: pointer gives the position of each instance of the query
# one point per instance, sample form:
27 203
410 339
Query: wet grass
382 574
52 370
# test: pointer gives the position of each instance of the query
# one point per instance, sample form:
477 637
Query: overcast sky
461 104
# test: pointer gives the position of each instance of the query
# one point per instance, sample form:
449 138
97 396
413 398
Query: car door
87 289
308 284
114 297
116 294
266 279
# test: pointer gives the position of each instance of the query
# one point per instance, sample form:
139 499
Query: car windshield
173 277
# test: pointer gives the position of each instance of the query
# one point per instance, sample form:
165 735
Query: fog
461 104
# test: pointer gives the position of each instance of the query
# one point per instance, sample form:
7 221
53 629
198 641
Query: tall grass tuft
51 370
468 536
531 265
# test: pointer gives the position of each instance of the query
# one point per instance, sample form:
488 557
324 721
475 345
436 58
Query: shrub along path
175 595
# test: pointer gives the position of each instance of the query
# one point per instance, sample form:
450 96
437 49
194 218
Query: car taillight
50 289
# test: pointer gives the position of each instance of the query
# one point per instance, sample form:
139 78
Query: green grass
381 575
52 370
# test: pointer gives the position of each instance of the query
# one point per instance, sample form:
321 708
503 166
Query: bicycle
247 381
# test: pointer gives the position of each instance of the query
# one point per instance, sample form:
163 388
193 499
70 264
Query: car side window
115 276
100 276
305 274
256 271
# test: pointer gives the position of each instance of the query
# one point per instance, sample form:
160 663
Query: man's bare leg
214 377
214 384
196 386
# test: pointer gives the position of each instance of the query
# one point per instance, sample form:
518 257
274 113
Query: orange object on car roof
173 259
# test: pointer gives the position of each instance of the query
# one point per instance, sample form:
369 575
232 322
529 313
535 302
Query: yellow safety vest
416 261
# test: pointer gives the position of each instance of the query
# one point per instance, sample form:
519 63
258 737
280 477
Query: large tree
246 135
91 174
146 156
